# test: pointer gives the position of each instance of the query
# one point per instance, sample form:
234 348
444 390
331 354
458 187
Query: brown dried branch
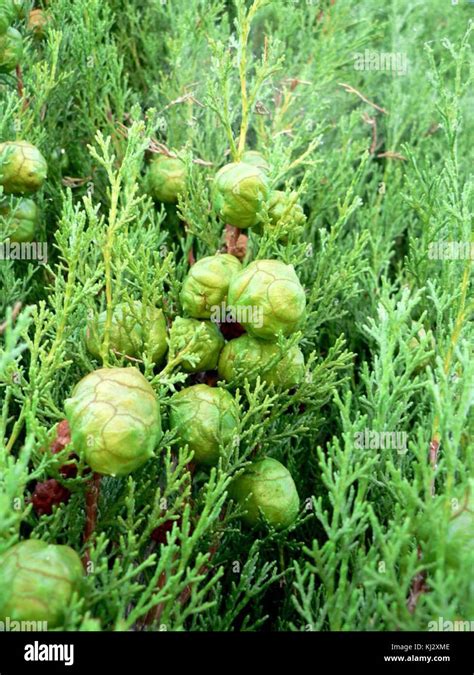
260 109
418 588
373 123
392 155
352 90
189 97
70 181
158 148
433 129
293 82
287 132
20 86
433 456
15 311
92 507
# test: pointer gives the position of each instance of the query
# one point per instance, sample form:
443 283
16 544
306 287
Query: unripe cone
166 178
207 284
115 420
23 168
11 50
285 209
272 288
37 581
207 346
238 192
7 15
267 487
205 419
131 329
255 158
251 355
23 218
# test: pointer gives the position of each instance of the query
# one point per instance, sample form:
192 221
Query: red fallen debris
231 330
236 242
63 438
209 377
48 494
159 534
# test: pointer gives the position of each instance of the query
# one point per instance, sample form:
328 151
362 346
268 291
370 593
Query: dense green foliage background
108 77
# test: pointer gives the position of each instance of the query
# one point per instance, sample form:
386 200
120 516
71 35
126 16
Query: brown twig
418 588
284 132
70 181
261 109
154 614
293 82
433 129
20 86
392 155
92 506
373 123
202 162
15 311
352 90
158 148
126 356
433 456
191 256
186 98
186 594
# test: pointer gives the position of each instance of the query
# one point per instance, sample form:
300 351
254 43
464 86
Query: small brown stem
186 594
15 311
191 257
353 90
392 155
373 123
20 87
70 181
419 582
418 588
92 505
155 613
433 455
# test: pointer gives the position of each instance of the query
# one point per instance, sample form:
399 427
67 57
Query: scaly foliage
381 167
